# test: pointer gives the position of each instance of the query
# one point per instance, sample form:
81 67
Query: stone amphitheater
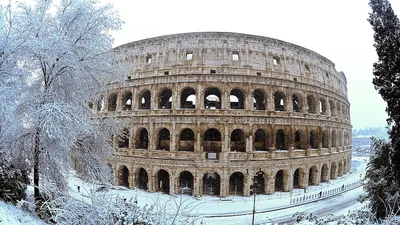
210 113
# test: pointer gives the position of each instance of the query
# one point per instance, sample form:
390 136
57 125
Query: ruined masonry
208 111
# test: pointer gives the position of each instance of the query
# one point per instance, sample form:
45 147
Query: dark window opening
213 71
212 99
166 73
311 104
276 60
261 142
212 141
165 99
211 184
281 140
112 102
163 181
123 176
296 103
144 100
279 101
127 101
258 100
279 181
236 184
236 99
186 183
187 140
238 141
148 59
163 140
143 179
299 140
313 139
142 141
123 139
188 98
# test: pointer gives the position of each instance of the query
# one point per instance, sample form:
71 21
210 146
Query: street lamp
255 184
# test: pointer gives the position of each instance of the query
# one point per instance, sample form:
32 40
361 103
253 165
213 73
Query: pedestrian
79 188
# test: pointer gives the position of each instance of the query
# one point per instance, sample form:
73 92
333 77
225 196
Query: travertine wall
260 104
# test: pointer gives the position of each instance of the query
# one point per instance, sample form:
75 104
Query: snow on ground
12 215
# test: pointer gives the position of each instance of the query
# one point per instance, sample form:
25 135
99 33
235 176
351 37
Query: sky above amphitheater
336 29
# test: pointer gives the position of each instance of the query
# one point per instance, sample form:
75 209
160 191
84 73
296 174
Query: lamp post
255 182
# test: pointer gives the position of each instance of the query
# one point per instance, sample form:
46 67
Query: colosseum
210 113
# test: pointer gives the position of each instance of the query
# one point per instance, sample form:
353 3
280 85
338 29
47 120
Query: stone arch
261 140
338 109
238 141
300 139
333 137
211 184
144 99
123 139
112 102
323 108
162 179
297 103
281 180
311 104
123 176
212 98
237 99
187 140
313 176
259 99
340 168
163 140
279 101
325 139
298 178
340 138
325 173
281 140
314 139
165 99
236 184
142 138
334 170
126 100
332 107
186 183
188 98
212 140
143 179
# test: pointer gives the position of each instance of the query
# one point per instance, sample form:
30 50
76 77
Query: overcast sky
336 29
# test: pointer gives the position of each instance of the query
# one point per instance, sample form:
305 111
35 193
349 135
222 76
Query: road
335 205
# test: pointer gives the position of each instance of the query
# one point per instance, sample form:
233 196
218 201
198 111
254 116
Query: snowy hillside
12 215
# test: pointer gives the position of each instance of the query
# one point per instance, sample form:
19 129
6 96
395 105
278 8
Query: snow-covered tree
384 169
66 57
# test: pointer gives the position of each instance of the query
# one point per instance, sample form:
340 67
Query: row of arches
209 183
213 99
211 140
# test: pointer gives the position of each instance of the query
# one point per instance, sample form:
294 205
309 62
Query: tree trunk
38 199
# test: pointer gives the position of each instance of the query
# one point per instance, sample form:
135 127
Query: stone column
172 186
173 138
270 100
199 97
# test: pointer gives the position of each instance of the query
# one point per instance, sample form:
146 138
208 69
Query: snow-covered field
209 209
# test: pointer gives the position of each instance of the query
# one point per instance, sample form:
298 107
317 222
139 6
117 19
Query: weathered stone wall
291 115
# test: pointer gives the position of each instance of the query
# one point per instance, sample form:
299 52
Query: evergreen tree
384 168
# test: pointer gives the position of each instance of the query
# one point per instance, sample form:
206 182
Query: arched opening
100 104
334 138
186 183
299 140
143 179
165 99
325 139
186 140
338 109
238 141
279 100
258 100
313 176
126 100
313 139
332 108
281 143
144 100
261 140
311 104
236 99
212 99
333 170
296 103
298 178
112 102
212 141
260 182
280 180
324 173
163 139
340 168
236 184
163 181
142 139
123 139
340 138
322 106
188 98
211 184
123 176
